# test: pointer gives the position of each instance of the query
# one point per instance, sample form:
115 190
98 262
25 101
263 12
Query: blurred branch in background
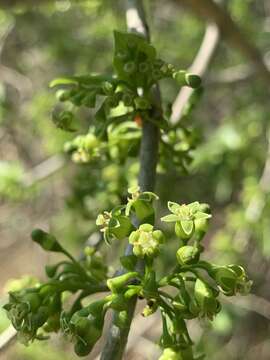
7 338
199 66
235 74
229 30
256 205
20 82
43 170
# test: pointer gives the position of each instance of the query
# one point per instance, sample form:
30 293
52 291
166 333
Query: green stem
117 337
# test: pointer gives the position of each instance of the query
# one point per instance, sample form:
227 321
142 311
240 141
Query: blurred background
229 130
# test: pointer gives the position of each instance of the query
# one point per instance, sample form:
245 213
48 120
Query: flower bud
63 95
130 67
231 279
206 299
170 354
193 80
142 103
157 74
122 319
127 99
146 241
122 55
185 79
82 349
53 323
179 76
187 255
201 225
107 88
133 290
87 325
150 308
143 67
117 284
46 241
32 299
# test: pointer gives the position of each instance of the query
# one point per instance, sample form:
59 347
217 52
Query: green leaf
63 81
113 223
116 211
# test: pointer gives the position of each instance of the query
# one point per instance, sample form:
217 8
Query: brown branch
229 30
235 74
199 66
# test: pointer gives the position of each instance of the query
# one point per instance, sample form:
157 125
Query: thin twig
43 170
253 303
235 74
230 31
199 66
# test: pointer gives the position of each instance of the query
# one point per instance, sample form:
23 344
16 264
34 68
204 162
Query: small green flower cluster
122 141
196 295
196 283
176 148
84 148
37 311
125 97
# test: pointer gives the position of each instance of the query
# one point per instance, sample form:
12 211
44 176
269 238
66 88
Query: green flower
146 241
231 279
117 283
26 313
170 354
63 120
188 255
114 224
205 297
185 218
186 79
84 148
141 203
85 326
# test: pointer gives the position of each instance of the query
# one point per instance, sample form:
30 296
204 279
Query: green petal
170 218
187 226
173 207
